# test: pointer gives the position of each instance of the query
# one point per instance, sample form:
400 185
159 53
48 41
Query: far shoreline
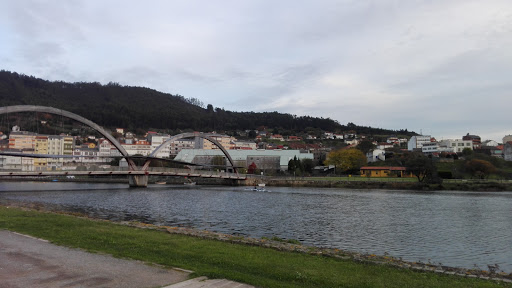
345 182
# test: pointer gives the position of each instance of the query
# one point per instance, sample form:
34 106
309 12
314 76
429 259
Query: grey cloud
369 61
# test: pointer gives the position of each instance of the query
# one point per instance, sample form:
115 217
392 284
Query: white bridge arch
107 135
67 114
208 137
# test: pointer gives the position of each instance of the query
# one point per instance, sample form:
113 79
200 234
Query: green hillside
113 105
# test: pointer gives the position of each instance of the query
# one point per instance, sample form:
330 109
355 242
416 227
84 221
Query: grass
258 266
362 178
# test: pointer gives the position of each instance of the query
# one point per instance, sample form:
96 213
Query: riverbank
393 184
260 262
335 182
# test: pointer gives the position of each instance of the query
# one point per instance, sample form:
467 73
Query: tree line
114 105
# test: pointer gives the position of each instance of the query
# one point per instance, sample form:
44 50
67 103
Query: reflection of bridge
138 176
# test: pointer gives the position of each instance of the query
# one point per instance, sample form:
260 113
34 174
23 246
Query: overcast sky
440 67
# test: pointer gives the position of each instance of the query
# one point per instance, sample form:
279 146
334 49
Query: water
460 229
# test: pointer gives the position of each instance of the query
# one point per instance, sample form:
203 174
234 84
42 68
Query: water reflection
453 228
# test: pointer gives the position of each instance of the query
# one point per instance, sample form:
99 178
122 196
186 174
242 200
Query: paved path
203 282
29 262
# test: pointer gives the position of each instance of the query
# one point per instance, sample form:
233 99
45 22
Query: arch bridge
138 176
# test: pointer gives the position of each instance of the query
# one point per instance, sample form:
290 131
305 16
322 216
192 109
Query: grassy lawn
258 266
358 178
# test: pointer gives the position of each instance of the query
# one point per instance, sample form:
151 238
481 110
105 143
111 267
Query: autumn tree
252 168
480 168
347 160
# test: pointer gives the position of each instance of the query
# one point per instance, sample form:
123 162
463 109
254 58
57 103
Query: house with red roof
400 172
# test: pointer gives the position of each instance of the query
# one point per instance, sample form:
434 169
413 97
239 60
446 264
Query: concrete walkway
29 262
203 282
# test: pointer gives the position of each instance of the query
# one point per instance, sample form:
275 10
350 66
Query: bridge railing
191 171
152 170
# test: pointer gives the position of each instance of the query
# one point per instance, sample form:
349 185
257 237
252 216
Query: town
254 151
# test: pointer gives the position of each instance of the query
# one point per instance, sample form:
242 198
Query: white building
384 145
10 163
55 147
263 159
157 140
352 142
431 147
454 145
392 140
224 140
490 143
178 145
330 135
105 149
244 145
418 141
507 151
138 148
376 155
87 155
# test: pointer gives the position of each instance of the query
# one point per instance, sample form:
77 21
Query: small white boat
189 183
161 183
261 185
257 189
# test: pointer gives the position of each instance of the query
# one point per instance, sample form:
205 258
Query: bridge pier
138 180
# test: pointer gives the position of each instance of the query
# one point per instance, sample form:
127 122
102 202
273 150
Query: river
459 229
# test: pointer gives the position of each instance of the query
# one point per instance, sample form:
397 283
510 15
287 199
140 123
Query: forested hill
113 105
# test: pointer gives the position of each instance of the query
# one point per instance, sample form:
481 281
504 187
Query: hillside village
253 149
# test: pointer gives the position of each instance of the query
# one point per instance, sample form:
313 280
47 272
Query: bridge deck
106 173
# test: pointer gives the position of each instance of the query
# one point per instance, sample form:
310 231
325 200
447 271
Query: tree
295 166
307 164
347 160
292 165
252 134
365 146
418 165
422 167
467 152
480 168
252 168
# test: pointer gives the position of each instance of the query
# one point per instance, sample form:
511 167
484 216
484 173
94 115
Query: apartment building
178 145
41 147
416 142
455 145
157 140
22 140
140 147
226 141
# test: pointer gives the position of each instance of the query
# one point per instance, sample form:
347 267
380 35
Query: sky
442 68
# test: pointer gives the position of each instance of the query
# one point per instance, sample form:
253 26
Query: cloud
441 66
